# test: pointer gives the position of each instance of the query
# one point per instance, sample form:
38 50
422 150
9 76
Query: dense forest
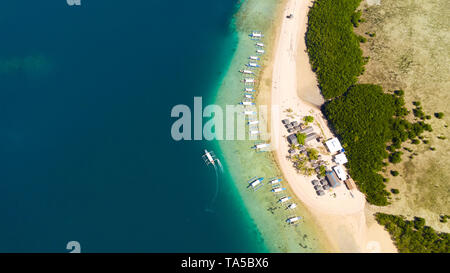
364 117
333 48
414 236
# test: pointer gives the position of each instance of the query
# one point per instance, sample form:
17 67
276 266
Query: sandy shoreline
341 214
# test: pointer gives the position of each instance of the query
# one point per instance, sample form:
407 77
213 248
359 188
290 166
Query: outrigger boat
254 58
249 113
274 181
293 220
246 103
248 80
260 51
278 189
248 96
253 65
246 71
255 183
292 206
209 157
253 122
261 147
284 199
256 35
249 90
254 132
260 44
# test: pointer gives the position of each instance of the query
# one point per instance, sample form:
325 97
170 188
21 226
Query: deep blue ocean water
85 148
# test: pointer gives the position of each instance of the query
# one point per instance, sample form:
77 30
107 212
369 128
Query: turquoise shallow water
85 147
244 163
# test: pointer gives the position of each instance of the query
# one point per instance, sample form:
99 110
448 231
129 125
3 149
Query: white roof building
333 145
340 172
340 158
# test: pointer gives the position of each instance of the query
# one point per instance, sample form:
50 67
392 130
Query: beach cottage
333 145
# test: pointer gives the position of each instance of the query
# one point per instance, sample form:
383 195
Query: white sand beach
340 212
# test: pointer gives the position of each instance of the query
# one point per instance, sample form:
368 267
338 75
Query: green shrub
439 115
395 191
395 157
301 138
394 173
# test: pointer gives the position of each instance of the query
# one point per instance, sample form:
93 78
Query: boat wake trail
216 193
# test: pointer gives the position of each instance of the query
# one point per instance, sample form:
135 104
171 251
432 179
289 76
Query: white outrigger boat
254 132
249 113
255 183
274 181
253 64
248 80
246 71
248 96
278 189
256 35
260 51
249 89
284 199
260 44
253 122
254 58
246 103
293 220
209 157
261 147
292 206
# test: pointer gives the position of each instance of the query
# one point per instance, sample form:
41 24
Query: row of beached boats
255 183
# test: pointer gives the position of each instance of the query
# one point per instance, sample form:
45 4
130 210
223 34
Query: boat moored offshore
293 220
253 65
247 103
256 35
278 189
246 71
284 199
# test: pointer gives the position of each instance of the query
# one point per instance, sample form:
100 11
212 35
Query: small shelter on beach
323 182
350 184
294 123
307 130
332 179
292 139
315 182
333 145
310 137
285 121
340 172
291 130
317 187
326 187
340 158
291 151
320 192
